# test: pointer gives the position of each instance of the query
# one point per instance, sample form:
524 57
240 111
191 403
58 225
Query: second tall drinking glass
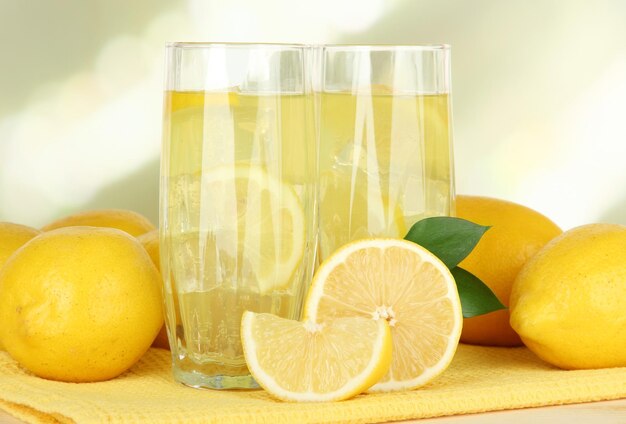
385 145
238 203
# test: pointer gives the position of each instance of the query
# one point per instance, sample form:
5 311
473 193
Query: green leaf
450 239
476 297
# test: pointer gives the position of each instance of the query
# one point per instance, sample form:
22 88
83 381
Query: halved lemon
307 362
404 284
247 226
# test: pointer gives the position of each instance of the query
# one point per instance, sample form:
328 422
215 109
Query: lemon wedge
400 282
308 362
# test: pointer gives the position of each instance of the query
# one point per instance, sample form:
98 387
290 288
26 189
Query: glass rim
364 47
247 45
387 47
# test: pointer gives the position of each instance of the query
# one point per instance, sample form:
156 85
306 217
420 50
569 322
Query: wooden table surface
609 412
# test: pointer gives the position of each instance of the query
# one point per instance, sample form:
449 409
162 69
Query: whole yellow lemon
516 234
569 301
132 222
12 237
79 304
150 242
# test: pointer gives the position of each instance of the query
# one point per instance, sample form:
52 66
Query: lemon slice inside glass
306 362
239 226
400 282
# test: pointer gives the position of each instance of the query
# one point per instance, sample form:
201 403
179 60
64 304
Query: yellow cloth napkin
479 379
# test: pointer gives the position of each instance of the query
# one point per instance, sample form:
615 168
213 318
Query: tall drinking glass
238 202
386 141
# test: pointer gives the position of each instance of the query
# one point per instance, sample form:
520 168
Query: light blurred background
539 93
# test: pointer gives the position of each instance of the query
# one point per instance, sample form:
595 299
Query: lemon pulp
304 361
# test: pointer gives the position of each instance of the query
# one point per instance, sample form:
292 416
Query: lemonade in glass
238 202
385 141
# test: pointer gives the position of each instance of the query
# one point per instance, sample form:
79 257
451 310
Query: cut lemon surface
404 284
307 362
246 224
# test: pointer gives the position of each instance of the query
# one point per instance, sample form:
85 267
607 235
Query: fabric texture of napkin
479 379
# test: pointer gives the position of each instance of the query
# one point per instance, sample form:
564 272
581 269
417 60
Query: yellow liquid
385 163
238 203
207 329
